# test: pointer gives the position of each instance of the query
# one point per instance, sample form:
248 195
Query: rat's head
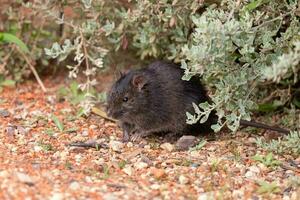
127 96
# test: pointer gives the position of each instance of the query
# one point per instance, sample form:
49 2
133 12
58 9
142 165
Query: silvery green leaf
216 127
87 3
196 108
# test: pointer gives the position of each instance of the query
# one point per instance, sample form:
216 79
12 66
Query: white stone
140 165
57 196
74 185
128 170
129 144
85 133
24 178
155 187
167 146
116 145
183 180
78 158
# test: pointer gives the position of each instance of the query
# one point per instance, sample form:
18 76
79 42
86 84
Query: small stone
4 174
186 142
10 130
140 165
183 180
155 187
74 185
85 133
57 196
158 173
252 140
116 145
24 178
167 146
78 158
254 169
147 146
4 113
129 144
206 196
237 194
128 170
93 127
22 130
110 196
252 172
37 148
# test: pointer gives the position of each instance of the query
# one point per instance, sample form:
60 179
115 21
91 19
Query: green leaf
8 82
254 4
216 127
10 38
267 107
296 102
266 187
199 146
58 123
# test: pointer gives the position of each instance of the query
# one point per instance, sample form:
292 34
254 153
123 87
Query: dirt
36 161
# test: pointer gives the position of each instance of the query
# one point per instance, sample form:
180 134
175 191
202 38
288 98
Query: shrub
244 50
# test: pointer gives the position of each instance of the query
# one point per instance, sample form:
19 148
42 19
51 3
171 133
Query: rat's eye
125 99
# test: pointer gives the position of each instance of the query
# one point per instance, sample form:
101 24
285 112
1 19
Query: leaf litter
37 160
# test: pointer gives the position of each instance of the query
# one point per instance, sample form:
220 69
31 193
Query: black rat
155 99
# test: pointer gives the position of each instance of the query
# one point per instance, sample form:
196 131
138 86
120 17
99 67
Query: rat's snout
109 112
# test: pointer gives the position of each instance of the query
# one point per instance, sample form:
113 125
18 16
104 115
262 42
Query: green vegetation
247 52
268 160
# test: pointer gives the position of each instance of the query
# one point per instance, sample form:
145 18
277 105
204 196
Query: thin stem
272 20
33 70
86 59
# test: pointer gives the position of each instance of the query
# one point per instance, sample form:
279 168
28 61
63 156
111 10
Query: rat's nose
109 113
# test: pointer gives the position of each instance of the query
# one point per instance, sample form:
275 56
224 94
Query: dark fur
161 102
158 100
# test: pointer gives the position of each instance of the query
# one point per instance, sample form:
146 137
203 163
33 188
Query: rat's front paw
136 137
125 137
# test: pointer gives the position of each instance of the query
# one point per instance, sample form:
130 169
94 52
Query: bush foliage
247 52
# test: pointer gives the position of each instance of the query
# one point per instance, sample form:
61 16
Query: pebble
128 170
57 196
25 178
10 131
206 196
155 187
140 165
37 148
78 158
22 130
93 126
167 146
4 113
183 180
74 185
116 145
157 173
129 144
110 196
252 172
185 142
85 133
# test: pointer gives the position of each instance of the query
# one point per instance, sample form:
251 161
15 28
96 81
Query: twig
4 61
33 70
86 59
89 145
272 20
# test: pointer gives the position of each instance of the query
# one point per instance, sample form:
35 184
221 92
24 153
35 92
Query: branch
33 70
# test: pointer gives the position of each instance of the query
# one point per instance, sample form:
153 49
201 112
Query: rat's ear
119 74
139 81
